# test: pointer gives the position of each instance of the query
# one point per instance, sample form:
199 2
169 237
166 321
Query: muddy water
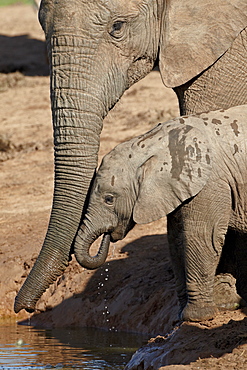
25 347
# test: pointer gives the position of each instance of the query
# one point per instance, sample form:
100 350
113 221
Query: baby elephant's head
114 194
140 181
110 209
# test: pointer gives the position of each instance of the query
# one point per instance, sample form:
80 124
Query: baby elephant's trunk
82 246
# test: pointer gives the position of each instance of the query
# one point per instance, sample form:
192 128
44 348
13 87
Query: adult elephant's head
97 49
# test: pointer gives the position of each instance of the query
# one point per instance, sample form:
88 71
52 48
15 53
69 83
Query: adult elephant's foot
199 312
225 293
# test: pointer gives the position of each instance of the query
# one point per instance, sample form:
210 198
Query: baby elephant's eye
109 199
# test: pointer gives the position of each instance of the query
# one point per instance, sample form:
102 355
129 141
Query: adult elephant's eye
109 199
117 29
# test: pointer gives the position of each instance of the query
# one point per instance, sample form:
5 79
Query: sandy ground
134 290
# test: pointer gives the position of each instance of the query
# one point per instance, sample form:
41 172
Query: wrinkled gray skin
194 170
97 49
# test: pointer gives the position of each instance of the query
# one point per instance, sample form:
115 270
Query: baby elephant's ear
179 169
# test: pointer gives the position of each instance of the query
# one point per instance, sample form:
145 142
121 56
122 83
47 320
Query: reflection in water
24 347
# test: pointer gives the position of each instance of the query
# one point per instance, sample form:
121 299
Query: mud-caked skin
193 170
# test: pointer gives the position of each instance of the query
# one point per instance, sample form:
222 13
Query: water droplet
106 278
106 270
19 343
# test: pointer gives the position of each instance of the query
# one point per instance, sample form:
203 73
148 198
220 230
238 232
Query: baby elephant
193 170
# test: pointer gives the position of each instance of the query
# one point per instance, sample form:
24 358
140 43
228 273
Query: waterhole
25 347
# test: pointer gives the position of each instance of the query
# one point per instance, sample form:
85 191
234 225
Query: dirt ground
134 290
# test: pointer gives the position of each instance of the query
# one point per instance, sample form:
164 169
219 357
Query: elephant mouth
120 232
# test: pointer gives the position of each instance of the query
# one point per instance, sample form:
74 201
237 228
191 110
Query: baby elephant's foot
225 293
199 312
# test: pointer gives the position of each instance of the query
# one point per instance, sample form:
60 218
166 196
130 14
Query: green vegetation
10 2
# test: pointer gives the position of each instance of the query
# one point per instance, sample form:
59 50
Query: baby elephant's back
226 134
229 128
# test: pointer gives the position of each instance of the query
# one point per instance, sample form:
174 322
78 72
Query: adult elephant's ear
194 34
178 171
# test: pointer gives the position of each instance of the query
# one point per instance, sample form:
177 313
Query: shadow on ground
23 54
133 293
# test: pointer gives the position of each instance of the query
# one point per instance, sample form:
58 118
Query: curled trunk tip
82 252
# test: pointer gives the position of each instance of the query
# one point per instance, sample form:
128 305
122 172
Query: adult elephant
99 48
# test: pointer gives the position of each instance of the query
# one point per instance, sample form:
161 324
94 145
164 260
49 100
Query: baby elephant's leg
205 221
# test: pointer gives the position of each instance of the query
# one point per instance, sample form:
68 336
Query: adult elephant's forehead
123 5
77 14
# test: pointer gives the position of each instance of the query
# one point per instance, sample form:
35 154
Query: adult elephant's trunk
77 119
